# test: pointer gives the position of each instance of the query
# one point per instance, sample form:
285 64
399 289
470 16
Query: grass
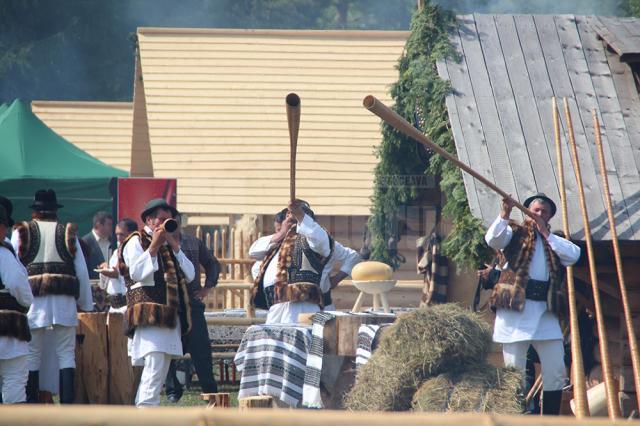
191 396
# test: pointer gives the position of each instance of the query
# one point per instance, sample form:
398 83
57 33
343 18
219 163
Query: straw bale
420 344
480 389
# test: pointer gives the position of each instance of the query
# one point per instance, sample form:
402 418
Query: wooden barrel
92 362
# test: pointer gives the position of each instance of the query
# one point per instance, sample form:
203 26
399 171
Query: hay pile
481 389
421 344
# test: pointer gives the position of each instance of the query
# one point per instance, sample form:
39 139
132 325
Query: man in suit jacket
99 242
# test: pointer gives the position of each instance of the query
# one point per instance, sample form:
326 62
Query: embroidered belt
116 300
537 290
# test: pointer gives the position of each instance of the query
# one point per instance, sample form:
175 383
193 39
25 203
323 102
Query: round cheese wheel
371 271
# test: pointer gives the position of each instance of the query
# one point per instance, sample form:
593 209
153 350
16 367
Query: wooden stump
251 402
216 400
81 392
94 361
121 383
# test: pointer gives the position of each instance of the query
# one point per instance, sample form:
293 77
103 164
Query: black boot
67 385
551 401
33 387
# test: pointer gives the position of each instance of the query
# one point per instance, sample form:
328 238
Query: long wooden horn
628 319
392 118
292 102
577 364
612 403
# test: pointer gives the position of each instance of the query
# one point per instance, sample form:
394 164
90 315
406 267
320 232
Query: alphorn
612 403
628 319
292 102
400 124
577 364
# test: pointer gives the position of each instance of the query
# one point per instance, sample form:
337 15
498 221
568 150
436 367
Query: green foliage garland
419 97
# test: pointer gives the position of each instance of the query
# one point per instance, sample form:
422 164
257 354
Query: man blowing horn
527 310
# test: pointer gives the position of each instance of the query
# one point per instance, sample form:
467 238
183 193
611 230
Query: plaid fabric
272 360
367 342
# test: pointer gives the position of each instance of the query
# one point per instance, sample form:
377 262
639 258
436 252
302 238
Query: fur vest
13 316
158 305
50 266
298 275
519 252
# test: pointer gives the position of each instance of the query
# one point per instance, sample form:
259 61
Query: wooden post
121 390
263 401
215 244
216 400
94 362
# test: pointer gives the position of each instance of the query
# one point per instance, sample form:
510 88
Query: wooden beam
170 416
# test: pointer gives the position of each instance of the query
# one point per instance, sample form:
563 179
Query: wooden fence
231 248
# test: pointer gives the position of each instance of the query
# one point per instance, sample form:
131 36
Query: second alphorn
628 319
400 124
577 363
612 399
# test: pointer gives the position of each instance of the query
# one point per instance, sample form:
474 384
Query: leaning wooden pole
612 403
392 118
628 319
577 364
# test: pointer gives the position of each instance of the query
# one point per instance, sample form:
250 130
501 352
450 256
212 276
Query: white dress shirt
16 282
103 243
142 266
534 322
288 312
60 309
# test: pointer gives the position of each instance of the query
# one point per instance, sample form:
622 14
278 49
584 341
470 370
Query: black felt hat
45 200
157 203
8 207
541 196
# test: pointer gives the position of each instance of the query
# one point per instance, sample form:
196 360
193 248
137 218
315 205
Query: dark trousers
199 347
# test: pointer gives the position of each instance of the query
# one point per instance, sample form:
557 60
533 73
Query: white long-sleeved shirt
345 256
60 309
534 322
318 241
142 266
16 282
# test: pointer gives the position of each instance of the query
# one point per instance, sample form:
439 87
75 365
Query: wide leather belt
537 290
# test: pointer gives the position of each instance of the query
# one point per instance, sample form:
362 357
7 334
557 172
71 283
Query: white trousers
14 373
156 367
65 341
551 354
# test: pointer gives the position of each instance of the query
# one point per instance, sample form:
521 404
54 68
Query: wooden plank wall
509 61
215 109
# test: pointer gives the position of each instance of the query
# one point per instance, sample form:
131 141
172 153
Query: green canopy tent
35 157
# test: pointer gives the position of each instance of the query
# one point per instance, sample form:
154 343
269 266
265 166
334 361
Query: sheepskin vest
158 305
13 316
47 249
298 275
519 252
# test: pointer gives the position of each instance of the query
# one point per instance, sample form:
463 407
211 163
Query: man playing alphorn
15 299
288 283
527 309
156 273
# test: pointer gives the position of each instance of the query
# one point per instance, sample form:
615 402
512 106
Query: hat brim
147 212
529 200
45 207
